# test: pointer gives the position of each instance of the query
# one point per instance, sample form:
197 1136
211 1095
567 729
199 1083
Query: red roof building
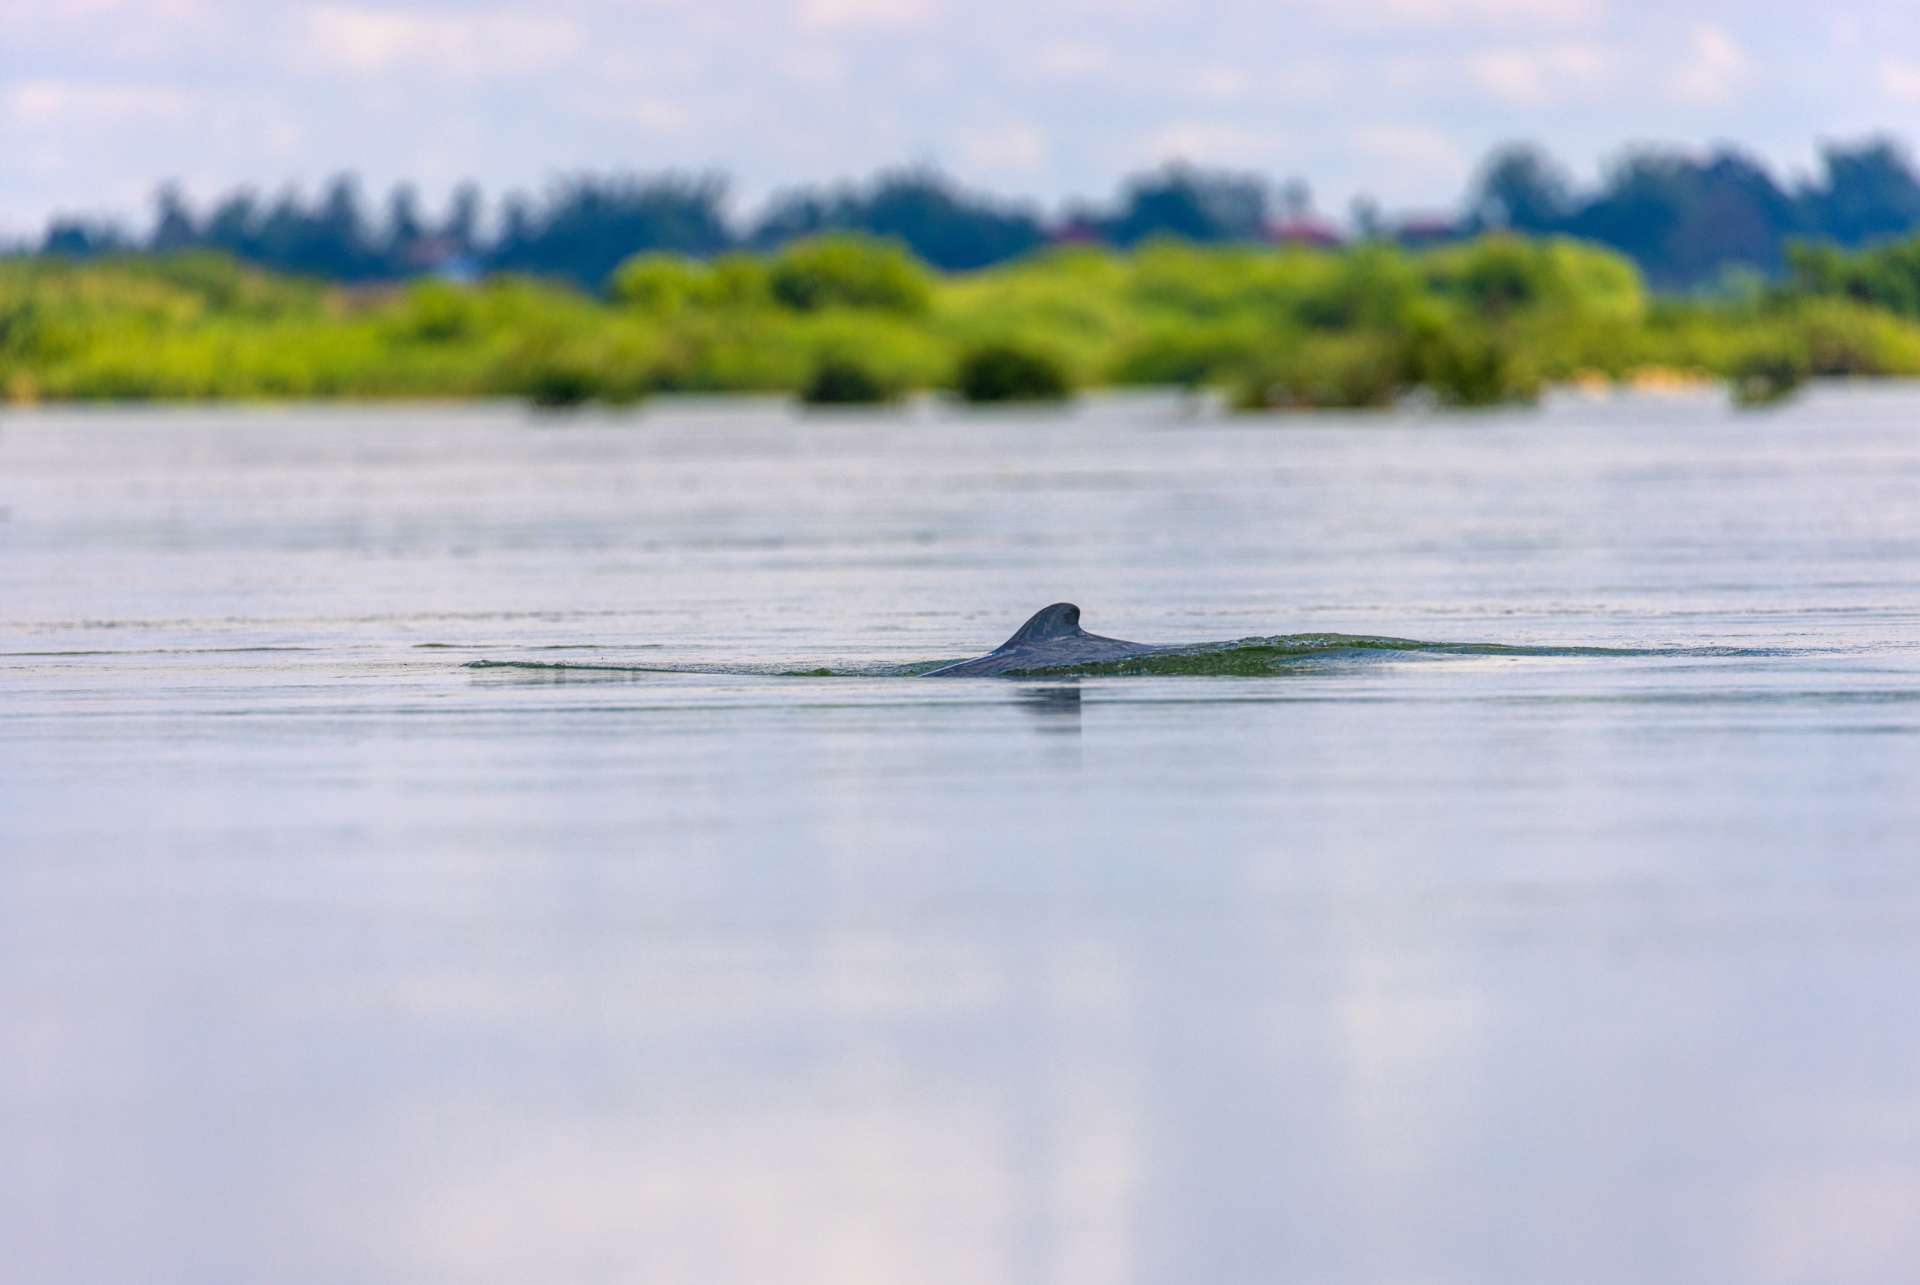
1311 233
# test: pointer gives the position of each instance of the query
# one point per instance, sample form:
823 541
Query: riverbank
846 320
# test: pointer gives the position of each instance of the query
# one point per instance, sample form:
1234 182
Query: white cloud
103 36
71 104
1419 152
864 13
1013 147
1209 143
818 66
1407 74
1219 80
29 15
1900 79
1070 60
368 41
1548 73
653 115
1715 68
1455 13
83 9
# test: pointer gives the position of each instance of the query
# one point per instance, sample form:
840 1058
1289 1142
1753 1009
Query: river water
325 957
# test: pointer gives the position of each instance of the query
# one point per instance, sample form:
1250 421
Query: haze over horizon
102 100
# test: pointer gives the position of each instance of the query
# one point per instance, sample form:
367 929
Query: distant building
1418 230
443 259
1306 232
1077 232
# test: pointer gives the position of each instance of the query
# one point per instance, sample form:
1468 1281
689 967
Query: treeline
1688 221
587 224
581 229
842 318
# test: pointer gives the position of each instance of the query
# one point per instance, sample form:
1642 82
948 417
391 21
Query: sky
101 100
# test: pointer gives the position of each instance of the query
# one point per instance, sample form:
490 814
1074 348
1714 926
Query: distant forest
1690 221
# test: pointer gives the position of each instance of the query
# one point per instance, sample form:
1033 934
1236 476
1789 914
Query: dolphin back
1061 620
1051 638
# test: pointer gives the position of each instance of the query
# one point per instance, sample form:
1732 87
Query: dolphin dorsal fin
1061 620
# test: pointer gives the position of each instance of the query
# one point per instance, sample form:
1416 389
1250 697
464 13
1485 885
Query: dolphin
1051 639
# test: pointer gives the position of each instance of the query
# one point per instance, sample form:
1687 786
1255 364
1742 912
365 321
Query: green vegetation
847 319
1006 372
847 381
1761 377
849 272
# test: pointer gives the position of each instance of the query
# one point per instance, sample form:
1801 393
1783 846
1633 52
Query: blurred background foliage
840 318
1689 220
1674 267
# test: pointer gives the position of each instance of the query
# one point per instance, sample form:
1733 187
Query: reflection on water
323 958
1054 706
560 675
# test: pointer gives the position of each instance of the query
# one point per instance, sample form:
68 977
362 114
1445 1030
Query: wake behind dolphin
1052 643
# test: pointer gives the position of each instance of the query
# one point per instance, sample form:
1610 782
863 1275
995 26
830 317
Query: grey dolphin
1052 639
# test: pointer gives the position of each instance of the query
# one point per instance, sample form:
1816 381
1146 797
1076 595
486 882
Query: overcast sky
101 99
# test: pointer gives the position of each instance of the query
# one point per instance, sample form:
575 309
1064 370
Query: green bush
1887 276
1359 371
1841 338
1006 372
843 381
557 381
1466 365
1369 288
1190 356
557 370
1767 376
738 281
436 312
850 272
661 284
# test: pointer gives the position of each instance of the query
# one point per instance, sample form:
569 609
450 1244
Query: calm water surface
324 958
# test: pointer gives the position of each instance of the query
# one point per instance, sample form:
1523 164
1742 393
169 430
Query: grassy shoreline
851 321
